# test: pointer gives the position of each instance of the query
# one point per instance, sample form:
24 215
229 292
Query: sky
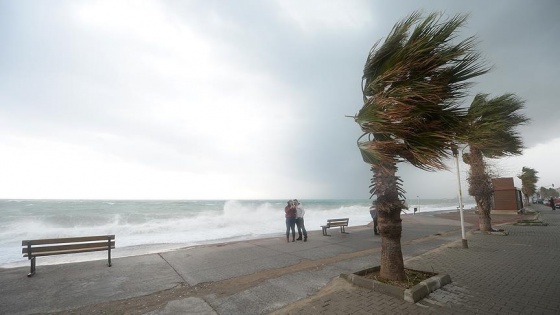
244 99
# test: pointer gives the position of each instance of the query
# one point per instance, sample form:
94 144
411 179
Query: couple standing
294 216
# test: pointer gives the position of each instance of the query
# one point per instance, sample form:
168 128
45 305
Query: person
552 203
373 212
300 212
290 211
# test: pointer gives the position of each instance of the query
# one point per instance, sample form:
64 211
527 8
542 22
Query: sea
149 226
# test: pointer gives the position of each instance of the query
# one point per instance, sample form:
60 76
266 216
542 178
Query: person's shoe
376 233
298 239
288 239
305 239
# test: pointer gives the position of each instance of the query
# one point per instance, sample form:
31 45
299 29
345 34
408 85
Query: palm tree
529 181
411 85
490 132
548 192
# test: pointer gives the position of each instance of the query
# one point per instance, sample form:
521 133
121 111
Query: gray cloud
246 87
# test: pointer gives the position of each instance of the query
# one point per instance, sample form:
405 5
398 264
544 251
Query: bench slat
67 247
338 224
338 220
71 251
67 240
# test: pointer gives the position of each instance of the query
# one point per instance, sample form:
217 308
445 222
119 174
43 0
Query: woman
290 211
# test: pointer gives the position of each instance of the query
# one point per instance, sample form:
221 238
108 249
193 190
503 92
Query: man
300 212
552 203
373 212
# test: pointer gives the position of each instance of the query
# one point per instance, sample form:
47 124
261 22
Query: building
507 199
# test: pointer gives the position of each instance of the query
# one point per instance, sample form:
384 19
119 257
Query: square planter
413 294
531 223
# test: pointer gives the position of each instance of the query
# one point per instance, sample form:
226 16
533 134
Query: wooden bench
333 223
70 245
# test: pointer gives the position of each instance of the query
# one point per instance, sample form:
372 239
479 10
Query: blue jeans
291 224
301 226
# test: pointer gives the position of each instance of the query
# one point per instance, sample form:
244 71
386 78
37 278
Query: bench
70 245
333 223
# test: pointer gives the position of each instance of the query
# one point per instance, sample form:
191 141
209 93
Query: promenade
514 274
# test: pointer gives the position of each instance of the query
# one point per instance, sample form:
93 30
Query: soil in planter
413 278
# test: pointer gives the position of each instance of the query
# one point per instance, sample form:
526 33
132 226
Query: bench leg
342 230
109 253
325 231
32 271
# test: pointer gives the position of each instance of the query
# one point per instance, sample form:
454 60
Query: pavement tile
511 274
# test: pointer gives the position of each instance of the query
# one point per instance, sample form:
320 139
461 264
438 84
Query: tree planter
413 294
531 223
499 232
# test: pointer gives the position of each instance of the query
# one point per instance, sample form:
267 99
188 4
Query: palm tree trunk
389 208
481 189
390 228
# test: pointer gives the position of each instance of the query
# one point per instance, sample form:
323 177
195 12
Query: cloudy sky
235 99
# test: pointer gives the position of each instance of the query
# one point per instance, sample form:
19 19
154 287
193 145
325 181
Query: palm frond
411 86
529 180
492 125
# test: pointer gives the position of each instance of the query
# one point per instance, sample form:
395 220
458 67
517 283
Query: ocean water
150 226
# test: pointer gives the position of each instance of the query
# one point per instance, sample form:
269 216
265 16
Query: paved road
497 274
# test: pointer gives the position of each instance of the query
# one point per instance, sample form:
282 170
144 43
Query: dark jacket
291 212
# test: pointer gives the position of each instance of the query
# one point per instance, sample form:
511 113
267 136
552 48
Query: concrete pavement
514 274
271 276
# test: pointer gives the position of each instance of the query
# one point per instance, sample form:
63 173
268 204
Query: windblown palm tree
490 132
548 192
411 85
529 181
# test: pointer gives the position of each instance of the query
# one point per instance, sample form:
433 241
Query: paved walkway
517 273
514 274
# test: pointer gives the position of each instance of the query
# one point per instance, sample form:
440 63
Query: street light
460 194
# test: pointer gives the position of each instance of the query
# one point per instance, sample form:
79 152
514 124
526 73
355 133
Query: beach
258 276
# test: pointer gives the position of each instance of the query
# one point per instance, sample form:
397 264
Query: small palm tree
490 132
529 181
411 85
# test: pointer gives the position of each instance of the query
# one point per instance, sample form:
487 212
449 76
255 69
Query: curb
412 295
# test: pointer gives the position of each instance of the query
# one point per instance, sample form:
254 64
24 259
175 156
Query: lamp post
460 195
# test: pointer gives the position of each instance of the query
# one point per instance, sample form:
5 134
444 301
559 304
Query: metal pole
464 239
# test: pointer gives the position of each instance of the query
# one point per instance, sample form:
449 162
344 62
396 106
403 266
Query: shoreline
156 248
